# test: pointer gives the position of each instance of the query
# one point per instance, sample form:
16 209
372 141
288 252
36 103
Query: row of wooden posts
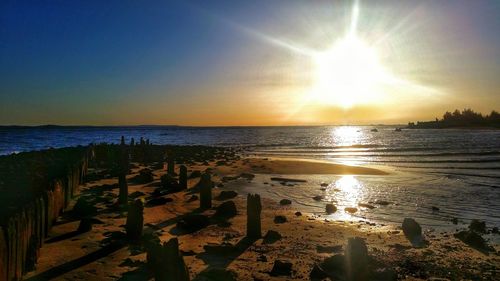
23 232
254 208
165 259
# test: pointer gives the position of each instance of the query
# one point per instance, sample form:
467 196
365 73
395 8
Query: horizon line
195 126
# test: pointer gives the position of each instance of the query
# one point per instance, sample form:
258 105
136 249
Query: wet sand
299 166
102 254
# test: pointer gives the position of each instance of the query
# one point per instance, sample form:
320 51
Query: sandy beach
220 250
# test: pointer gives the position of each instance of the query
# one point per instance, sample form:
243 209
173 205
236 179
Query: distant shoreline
452 128
465 119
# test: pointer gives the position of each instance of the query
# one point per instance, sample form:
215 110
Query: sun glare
347 74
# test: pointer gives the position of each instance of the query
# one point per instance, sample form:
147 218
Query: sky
229 63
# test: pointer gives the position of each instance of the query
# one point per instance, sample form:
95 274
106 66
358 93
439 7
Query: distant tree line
466 118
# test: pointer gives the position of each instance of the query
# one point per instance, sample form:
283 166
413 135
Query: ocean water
457 171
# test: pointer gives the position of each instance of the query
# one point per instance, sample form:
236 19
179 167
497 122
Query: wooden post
122 173
254 209
135 220
183 177
205 186
167 262
171 165
356 255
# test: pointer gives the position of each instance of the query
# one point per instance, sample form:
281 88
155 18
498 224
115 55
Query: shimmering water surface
457 171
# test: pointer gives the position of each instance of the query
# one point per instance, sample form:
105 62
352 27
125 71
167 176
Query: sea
435 175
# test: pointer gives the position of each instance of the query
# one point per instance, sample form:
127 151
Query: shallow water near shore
457 171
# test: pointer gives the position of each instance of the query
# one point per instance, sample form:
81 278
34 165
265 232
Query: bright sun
347 74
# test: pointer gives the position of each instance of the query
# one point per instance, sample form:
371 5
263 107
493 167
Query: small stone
136 194
330 208
247 176
281 268
318 197
368 206
227 194
285 202
158 201
351 210
271 237
226 210
280 219
382 202
473 239
477 226
193 222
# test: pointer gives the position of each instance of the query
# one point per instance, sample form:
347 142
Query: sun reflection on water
345 139
345 192
346 135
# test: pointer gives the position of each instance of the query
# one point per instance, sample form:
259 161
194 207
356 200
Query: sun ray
354 18
349 72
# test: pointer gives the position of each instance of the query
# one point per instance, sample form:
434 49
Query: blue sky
212 63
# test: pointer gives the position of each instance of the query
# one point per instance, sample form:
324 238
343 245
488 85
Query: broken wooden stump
356 259
254 209
171 166
166 261
183 177
135 220
205 186
123 195
85 225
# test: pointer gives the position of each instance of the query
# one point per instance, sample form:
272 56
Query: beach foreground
220 250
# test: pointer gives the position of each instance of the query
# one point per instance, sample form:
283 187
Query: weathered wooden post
171 165
356 259
166 261
205 186
135 220
122 173
183 177
132 142
254 209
